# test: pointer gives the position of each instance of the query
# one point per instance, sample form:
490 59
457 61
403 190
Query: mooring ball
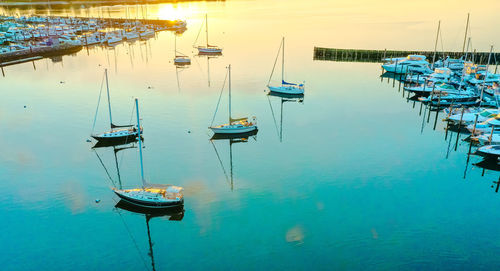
97 200
189 132
88 140
25 106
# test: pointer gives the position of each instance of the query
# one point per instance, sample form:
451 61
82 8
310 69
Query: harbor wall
377 56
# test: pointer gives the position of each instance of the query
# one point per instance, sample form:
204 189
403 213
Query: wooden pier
377 56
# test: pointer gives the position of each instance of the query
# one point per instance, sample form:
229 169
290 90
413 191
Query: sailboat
286 87
240 138
151 195
118 134
180 59
207 49
235 126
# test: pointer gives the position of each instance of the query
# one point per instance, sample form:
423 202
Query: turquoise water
359 179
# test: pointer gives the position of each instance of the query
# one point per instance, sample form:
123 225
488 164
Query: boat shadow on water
174 213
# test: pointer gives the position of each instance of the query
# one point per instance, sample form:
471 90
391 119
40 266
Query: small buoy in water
62 82
149 87
25 106
189 132
88 140
97 200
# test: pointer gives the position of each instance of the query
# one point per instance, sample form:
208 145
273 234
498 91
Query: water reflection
284 98
232 138
116 148
173 214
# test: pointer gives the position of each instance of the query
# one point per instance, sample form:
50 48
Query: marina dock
377 56
27 37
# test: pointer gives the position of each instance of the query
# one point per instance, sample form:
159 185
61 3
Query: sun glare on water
171 12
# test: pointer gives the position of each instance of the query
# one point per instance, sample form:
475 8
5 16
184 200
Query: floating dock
377 56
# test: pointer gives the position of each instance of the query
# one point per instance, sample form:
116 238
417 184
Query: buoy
25 106
189 132
88 140
97 200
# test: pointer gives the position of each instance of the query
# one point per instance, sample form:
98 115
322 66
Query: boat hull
233 130
287 90
205 50
182 61
149 204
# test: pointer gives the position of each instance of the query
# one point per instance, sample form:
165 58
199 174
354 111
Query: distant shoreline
84 2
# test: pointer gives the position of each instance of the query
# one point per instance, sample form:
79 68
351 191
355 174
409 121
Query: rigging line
274 118
221 164
199 31
133 240
275 61
218 102
98 102
105 169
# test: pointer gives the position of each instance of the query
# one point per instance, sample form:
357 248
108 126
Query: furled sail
121 126
292 84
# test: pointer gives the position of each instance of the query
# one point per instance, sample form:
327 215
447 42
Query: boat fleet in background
28 32
466 92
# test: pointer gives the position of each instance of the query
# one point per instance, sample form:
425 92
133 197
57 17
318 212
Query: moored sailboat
180 59
117 133
208 49
155 196
235 126
286 87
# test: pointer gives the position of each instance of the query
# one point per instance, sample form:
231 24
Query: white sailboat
118 133
207 49
180 59
149 195
286 87
235 126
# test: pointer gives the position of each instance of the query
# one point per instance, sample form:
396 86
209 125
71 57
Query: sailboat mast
206 27
486 74
436 44
109 100
140 144
466 29
283 61
229 67
175 45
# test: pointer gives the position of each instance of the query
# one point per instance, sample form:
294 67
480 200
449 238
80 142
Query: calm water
358 179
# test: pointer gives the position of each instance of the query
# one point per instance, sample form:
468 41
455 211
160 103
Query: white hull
485 139
402 69
233 129
208 50
287 90
182 61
